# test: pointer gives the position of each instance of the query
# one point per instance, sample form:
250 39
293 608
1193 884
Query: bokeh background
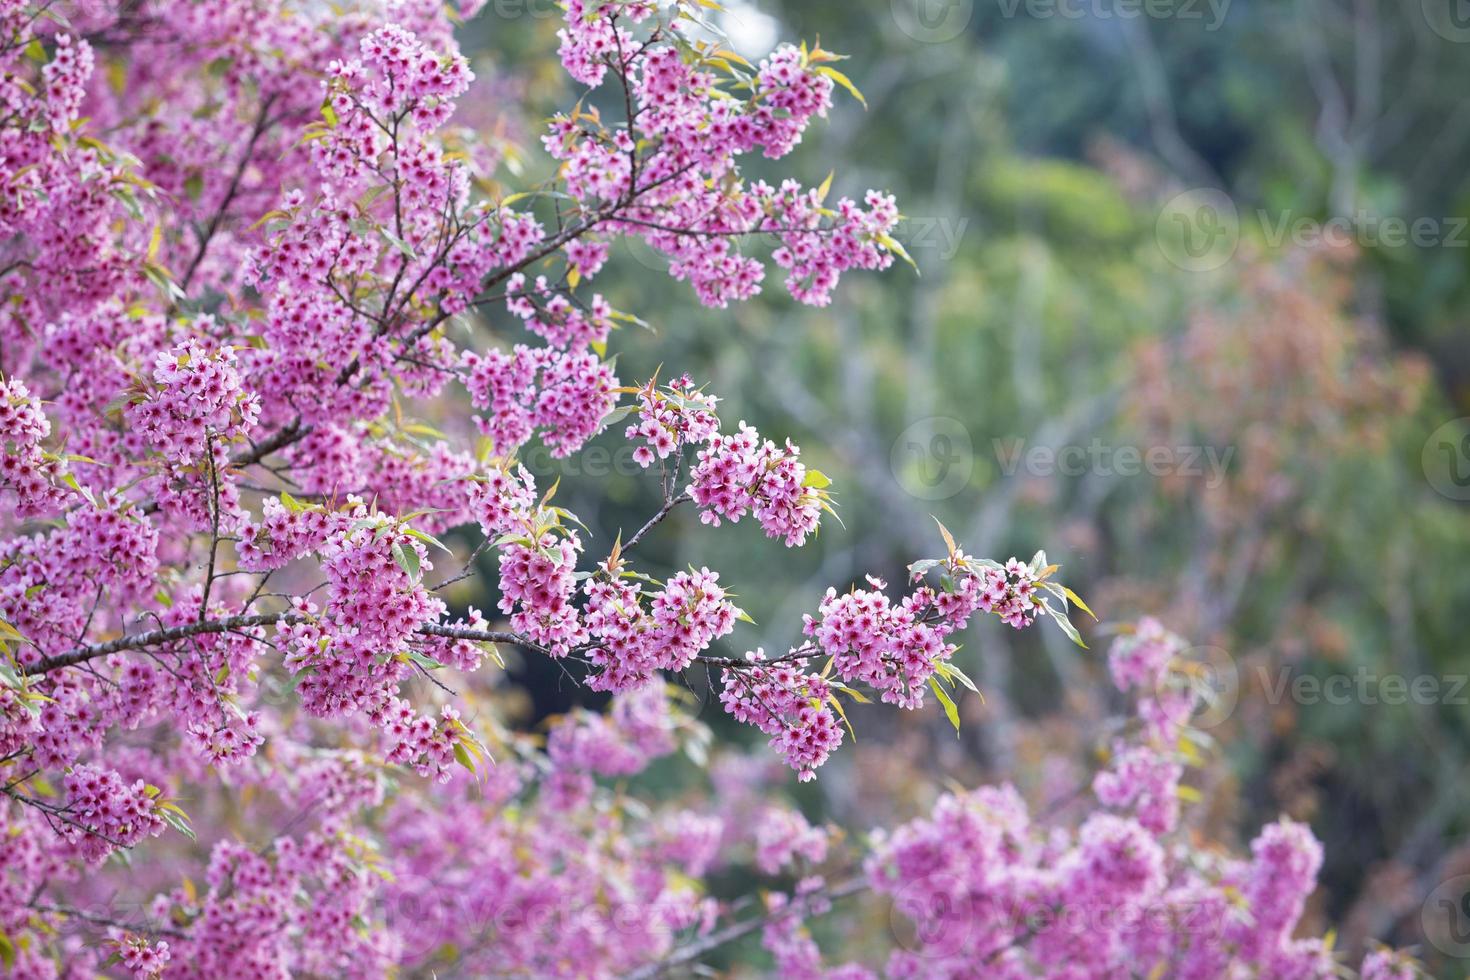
1191 316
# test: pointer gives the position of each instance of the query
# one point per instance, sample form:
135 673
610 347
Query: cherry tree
250 256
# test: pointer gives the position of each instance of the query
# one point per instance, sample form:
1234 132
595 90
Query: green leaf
462 756
7 951
950 710
844 81
923 567
427 538
370 196
1079 603
408 560
893 245
177 819
826 186
630 318
268 216
1064 623
516 198
398 243
423 660
837 705
617 415
851 692
948 538
953 673
159 276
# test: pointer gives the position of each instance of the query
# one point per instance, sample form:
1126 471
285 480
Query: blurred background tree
1234 440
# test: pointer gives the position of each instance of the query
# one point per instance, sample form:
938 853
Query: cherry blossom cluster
788 940
538 583
1388 964
283 534
743 473
397 70
783 837
413 740
668 421
229 742
497 874
20 716
885 646
585 258
1140 660
638 727
201 686
786 702
196 396
592 36
552 315
434 484
983 880
894 649
565 395
103 812
815 261
500 498
26 468
143 959
305 890
790 93
65 76
1010 593
55 201
1143 775
697 114
1144 781
49 582
633 641
350 653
